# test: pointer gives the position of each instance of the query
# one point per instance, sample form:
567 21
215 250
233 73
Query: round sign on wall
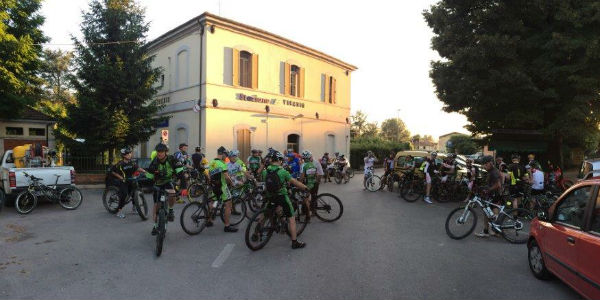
196 108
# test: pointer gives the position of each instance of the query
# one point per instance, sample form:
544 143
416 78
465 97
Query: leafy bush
379 146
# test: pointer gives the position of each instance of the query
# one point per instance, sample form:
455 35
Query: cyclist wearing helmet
311 176
494 186
162 169
236 168
448 167
219 179
517 175
472 173
119 173
325 161
370 161
430 170
254 163
281 197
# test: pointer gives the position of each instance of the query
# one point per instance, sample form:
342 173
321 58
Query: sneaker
209 224
171 216
297 244
482 234
427 200
230 229
154 231
121 215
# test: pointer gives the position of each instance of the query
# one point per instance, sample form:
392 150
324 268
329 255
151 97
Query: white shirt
369 162
538 180
319 169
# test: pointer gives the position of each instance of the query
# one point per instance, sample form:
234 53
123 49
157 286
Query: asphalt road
382 247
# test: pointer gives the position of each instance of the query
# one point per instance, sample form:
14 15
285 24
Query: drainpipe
200 90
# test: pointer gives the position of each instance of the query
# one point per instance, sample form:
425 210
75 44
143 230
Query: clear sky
388 41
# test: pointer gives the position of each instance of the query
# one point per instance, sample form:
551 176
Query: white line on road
223 256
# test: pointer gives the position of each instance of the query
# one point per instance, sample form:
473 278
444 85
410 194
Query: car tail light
12 179
72 176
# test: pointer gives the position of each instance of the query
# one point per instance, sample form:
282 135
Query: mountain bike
195 215
110 198
513 224
412 188
162 213
372 182
271 219
68 197
327 207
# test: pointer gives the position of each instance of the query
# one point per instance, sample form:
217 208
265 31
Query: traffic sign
164 134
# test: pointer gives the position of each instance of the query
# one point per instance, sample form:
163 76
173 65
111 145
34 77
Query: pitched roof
32 114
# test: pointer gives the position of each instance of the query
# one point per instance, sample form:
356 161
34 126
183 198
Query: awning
518 146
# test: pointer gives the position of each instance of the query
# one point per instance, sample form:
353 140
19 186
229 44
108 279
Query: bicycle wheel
26 202
193 218
141 205
328 207
162 231
259 230
255 203
373 183
195 192
515 225
461 222
412 190
110 199
238 211
70 198
338 177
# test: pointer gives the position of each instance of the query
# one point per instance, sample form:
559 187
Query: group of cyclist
223 173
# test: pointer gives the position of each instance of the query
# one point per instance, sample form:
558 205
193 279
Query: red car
566 241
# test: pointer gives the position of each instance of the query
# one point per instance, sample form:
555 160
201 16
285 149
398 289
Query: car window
596 217
9 159
571 210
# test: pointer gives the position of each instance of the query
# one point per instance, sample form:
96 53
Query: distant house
30 128
443 141
425 145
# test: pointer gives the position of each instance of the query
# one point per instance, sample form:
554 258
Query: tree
114 82
427 138
56 71
370 130
20 48
395 130
359 120
520 65
462 144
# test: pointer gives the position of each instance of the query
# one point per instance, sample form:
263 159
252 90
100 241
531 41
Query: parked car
14 181
565 241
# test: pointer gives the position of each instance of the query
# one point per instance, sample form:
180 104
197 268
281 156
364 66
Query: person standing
369 161
430 169
220 180
492 189
325 161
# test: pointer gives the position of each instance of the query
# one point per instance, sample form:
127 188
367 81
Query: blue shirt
295 167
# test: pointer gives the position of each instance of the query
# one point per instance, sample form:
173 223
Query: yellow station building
230 84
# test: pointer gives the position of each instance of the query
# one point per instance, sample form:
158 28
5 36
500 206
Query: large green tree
395 130
520 65
359 121
20 49
462 144
114 79
56 71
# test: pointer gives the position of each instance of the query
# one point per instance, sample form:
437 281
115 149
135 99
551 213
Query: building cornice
227 24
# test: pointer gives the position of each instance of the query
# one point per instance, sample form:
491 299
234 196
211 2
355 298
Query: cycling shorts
284 202
428 178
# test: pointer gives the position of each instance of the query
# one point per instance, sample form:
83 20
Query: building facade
32 127
233 85
443 141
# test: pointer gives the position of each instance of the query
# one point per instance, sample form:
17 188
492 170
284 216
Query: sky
388 41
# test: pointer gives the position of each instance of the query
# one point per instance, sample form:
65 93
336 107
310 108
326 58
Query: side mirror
542 216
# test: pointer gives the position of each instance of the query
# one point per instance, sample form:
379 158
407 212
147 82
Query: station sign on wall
273 101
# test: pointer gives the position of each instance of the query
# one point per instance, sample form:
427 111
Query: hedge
380 147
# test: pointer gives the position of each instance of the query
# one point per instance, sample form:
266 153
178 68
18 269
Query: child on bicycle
119 174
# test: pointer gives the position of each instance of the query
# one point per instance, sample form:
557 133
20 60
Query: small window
14 130
330 96
571 210
245 69
37 132
293 142
162 80
294 80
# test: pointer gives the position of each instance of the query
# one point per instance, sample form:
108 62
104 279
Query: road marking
223 256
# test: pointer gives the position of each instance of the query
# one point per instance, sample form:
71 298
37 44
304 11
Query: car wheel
536 261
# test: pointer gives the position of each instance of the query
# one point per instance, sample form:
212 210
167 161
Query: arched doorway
293 142
243 143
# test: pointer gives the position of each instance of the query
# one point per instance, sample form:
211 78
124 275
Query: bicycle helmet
161 148
306 154
276 155
234 153
125 151
222 150
433 153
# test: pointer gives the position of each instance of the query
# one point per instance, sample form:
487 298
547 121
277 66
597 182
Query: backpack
272 182
215 182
